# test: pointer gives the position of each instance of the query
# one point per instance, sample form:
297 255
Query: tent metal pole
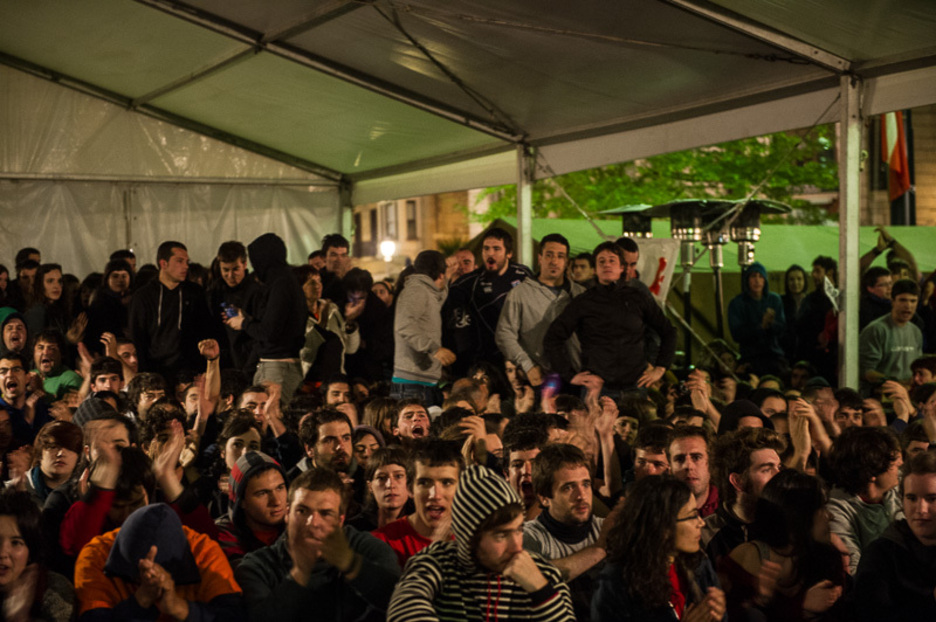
526 165
345 211
849 208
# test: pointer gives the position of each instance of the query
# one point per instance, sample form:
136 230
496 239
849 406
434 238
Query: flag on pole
894 152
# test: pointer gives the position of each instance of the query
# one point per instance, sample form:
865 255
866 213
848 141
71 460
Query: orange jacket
104 597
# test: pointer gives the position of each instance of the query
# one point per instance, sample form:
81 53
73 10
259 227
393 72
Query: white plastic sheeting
78 224
85 177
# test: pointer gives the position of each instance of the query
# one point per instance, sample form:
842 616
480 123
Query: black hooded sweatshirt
278 329
166 326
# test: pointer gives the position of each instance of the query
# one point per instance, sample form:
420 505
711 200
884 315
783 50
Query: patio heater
636 222
715 238
686 226
745 227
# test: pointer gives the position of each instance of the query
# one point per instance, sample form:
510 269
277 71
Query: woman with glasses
656 569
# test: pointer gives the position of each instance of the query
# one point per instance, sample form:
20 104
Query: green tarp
779 247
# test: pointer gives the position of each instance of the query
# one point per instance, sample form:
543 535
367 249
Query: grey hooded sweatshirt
417 329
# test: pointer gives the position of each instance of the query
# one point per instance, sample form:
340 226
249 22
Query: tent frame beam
669 116
167 117
745 26
313 19
126 179
193 77
324 12
328 67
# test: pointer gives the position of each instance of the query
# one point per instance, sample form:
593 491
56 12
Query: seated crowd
474 441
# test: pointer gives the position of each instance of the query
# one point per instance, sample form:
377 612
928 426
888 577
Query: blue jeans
429 396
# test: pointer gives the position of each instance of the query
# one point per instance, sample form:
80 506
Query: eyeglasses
693 516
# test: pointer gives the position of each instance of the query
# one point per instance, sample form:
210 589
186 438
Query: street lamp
388 249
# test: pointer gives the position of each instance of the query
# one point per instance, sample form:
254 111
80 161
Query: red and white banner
894 152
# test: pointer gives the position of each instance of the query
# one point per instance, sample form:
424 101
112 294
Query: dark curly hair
643 539
860 454
732 454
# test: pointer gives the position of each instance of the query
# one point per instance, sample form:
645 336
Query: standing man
278 330
812 345
567 533
475 301
464 262
891 343
453 580
418 355
756 320
169 316
583 270
531 307
337 263
876 286
237 288
610 321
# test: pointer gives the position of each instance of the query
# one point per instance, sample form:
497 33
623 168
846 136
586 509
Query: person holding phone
279 331
531 307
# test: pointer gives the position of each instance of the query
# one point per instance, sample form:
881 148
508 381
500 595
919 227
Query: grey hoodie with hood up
444 581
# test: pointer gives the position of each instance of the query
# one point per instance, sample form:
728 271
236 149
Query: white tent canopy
228 117
385 96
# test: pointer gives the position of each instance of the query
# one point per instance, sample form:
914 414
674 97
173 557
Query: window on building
411 230
358 249
390 221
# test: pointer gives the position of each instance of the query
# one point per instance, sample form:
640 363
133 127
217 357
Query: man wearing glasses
27 412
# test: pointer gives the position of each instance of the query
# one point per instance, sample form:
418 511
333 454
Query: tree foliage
728 170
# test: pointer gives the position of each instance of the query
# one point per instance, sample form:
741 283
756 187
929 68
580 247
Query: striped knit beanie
250 464
480 493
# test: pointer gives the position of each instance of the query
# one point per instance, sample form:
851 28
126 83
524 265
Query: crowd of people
471 440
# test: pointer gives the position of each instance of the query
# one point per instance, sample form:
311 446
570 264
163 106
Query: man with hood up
484 574
418 353
278 330
755 317
153 566
13 330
